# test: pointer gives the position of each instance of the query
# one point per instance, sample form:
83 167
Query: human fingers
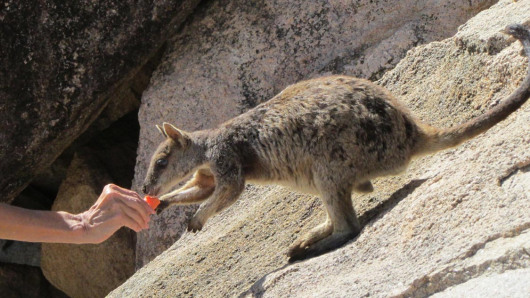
139 205
129 197
132 199
141 221
123 191
122 219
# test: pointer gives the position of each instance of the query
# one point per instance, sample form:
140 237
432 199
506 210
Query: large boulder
235 54
454 220
94 270
60 62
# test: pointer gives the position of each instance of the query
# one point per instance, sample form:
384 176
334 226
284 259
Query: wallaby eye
161 163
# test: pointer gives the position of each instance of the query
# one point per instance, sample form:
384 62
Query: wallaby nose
144 189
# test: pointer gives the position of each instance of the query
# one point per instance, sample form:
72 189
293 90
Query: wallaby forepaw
161 207
194 225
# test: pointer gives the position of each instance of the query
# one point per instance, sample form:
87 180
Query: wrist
77 227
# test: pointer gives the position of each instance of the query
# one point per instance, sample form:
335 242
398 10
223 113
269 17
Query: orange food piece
152 201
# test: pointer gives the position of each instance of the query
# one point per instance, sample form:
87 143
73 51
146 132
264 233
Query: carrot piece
152 201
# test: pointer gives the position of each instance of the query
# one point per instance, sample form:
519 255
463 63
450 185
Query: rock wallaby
327 136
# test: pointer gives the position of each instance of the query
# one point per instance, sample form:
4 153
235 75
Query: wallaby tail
439 139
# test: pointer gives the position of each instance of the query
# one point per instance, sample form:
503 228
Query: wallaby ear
161 130
177 135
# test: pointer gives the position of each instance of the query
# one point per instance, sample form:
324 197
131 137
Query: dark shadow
391 202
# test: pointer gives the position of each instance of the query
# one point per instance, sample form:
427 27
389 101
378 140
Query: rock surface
60 62
94 270
233 55
19 252
511 283
454 219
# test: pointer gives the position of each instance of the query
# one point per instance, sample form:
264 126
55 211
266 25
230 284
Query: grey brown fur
327 136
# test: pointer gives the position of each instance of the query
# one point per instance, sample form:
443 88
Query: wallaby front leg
226 193
192 195
198 189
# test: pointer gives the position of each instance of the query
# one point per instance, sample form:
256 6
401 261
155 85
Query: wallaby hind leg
345 225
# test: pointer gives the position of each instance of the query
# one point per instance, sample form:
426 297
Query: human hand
116 207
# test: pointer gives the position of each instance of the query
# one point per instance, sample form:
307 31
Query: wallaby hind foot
298 249
323 246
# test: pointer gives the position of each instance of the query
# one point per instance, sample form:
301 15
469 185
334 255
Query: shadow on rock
257 289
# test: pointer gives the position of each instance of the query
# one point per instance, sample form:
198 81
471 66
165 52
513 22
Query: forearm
116 207
39 226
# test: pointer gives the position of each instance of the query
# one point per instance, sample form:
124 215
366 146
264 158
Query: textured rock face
453 220
235 54
94 270
511 283
60 61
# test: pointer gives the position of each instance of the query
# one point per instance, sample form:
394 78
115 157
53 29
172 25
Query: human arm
116 207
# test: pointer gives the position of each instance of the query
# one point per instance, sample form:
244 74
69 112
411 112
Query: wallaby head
175 159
